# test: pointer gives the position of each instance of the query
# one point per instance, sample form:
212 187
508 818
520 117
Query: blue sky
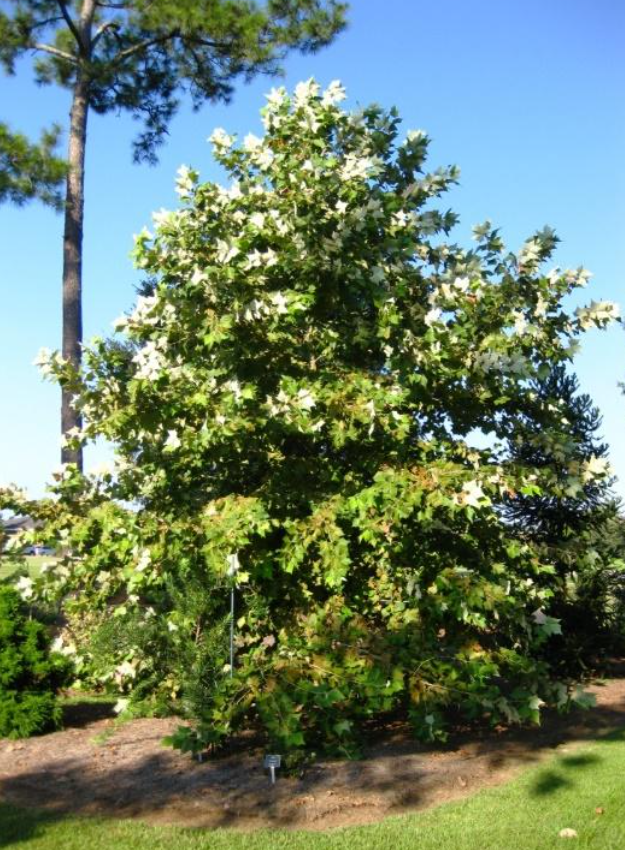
526 97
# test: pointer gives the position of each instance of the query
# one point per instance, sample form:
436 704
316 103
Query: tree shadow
563 773
559 777
128 774
80 713
18 825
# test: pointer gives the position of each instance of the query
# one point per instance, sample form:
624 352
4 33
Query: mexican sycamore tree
290 401
139 56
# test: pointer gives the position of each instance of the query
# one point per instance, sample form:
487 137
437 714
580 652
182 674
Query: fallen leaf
567 833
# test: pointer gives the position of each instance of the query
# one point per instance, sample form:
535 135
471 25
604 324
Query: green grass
525 814
87 698
9 567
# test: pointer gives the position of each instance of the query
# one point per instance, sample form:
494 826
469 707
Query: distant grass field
579 791
9 567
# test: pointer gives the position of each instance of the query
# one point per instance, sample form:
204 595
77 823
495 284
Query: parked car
39 550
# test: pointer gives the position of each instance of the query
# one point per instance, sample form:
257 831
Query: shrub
30 674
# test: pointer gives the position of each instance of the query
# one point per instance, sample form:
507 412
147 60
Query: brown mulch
100 767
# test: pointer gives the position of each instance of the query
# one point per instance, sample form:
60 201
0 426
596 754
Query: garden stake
271 763
232 631
233 568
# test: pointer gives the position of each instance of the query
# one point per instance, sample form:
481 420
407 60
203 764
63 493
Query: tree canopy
291 402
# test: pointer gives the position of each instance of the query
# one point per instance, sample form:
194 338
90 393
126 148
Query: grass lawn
526 814
9 567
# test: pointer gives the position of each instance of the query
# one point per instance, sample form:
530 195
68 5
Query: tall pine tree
139 56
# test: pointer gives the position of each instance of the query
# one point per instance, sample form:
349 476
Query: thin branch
117 37
54 51
72 26
45 23
143 45
224 45
149 42
101 30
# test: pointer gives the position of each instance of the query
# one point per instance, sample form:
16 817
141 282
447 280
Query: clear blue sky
526 97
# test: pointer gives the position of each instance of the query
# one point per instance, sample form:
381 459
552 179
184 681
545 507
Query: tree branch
72 26
149 42
206 43
101 30
39 24
54 51
143 45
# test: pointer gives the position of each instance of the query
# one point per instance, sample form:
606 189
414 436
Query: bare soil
98 766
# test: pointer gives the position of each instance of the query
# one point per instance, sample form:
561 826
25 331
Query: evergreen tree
575 526
564 439
138 56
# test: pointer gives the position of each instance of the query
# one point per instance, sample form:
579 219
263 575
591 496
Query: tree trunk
72 257
72 235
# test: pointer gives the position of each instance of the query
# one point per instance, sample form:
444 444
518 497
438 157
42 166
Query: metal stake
232 631
233 568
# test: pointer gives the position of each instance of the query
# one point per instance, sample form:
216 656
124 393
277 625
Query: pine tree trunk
72 257
74 214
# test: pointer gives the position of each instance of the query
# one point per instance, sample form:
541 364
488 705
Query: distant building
17 523
11 527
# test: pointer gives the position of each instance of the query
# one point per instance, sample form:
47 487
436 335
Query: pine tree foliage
29 171
573 449
578 531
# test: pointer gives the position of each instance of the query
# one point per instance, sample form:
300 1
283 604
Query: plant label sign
271 763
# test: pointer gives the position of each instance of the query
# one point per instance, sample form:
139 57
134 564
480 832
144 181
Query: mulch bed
98 766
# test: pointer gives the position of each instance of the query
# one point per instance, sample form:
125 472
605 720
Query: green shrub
30 673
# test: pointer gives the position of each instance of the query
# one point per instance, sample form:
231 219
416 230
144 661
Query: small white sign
271 763
233 563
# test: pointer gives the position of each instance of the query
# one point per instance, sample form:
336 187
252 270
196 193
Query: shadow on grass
78 713
562 776
22 825
564 772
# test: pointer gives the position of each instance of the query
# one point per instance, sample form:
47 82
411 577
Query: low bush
30 673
